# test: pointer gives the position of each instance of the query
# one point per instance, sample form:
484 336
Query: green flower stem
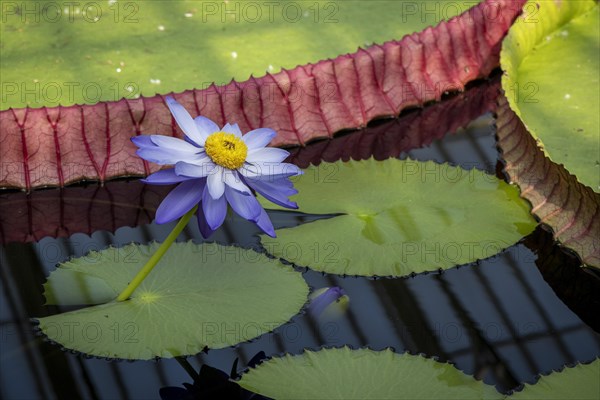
137 280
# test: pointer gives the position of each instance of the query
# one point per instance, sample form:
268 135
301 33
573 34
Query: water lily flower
217 166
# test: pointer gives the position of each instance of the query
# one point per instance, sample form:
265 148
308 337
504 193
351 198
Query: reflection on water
497 319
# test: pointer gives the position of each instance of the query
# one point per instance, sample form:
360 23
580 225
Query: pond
505 319
432 199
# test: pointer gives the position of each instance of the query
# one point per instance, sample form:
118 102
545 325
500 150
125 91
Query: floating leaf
362 374
551 64
559 201
198 296
581 382
127 62
399 217
56 146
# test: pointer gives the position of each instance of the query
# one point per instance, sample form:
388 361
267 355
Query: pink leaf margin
568 208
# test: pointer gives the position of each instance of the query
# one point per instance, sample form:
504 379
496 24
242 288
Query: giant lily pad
551 64
400 217
581 382
59 145
197 296
362 374
82 53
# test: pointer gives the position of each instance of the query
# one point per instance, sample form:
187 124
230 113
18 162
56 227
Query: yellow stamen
226 150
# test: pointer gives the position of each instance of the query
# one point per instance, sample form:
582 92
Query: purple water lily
215 166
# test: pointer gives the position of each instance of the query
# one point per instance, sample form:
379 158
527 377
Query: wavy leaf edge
569 209
91 142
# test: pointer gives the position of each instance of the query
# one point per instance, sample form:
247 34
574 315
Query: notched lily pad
362 374
581 382
400 217
197 296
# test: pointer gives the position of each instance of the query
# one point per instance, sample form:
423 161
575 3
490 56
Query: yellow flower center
226 150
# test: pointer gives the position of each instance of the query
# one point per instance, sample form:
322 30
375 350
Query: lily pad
197 296
581 382
362 374
551 64
83 53
400 217
59 145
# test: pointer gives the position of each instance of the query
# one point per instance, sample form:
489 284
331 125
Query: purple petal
180 200
283 185
235 129
165 177
203 225
267 154
276 192
206 127
143 141
258 138
173 143
194 170
234 181
269 170
264 223
246 206
184 120
162 156
216 185
321 302
214 210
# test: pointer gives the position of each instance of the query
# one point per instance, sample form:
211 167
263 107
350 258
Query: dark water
506 319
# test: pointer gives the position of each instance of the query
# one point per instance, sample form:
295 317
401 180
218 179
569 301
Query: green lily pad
551 64
197 296
362 374
83 53
399 217
581 382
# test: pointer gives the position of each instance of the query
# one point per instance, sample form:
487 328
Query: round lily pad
551 63
197 296
398 217
56 55
581 382
362 374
